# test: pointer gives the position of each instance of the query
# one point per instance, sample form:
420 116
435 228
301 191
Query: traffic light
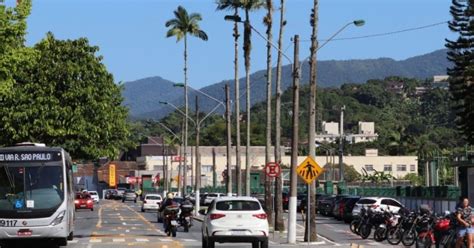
311 21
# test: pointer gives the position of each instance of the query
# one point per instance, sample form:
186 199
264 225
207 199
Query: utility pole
311 201
214 168
165 168
294 145
229 140
197 180
341 146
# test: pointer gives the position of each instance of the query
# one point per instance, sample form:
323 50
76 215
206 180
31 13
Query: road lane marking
95 240
73 241
99 222
118 240
142 240
189 240
127 231
166 240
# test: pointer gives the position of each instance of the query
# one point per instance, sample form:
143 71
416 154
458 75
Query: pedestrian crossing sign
309 170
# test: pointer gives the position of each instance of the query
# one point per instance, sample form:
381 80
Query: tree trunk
237 103
279 225
269 200
185 166
312 120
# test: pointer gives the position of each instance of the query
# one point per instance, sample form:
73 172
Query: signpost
309 171
272 169
112 181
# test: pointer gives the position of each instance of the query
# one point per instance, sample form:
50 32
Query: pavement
116 224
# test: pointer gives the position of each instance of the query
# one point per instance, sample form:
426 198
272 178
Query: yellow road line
99 222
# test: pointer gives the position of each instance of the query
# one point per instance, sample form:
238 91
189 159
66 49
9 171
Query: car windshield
93 193
153 197
237 205
28 188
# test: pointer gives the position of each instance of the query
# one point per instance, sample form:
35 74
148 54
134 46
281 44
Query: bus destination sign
29 156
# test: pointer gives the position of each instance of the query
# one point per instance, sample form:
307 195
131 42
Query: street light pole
229 137
294 146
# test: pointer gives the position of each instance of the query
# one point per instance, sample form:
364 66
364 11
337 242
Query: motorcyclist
167 202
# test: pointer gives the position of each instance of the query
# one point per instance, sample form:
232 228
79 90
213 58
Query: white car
151 202
94 196
211 196
235 220
378 204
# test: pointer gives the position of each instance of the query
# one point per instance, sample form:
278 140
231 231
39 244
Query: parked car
340 206
129 195
319 201
177 200
83 201
235 220
94 196
210 197
110 194
304 203
327 205
349 205
377 204
120 193
202 197
151 202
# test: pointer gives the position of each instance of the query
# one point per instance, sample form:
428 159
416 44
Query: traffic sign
272 169
309 170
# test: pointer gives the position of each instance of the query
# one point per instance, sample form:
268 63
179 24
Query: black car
349 205
327 205
340 206
320 200
304 203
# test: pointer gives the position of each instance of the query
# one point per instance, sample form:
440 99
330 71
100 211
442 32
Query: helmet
170 195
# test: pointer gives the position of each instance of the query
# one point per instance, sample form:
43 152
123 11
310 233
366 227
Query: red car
84 201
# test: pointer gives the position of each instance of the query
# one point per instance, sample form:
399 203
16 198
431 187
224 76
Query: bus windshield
28 188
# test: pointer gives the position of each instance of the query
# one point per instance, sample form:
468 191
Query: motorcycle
186 216
390 221
171 214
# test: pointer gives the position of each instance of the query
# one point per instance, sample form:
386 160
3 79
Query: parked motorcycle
390 221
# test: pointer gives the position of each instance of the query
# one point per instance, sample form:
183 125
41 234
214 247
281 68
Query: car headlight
59 218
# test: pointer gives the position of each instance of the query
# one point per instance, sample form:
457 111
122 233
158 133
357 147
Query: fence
440 199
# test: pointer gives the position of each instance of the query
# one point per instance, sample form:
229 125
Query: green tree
414 179
67 99
461 73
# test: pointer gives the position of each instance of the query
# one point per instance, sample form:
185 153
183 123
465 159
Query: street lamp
200 91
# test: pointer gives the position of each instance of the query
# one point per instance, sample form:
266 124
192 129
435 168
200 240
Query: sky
131 34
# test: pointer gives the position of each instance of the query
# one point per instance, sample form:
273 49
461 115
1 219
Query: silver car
129 195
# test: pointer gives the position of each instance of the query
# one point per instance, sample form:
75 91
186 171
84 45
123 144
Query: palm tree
235 5
279 225
181 26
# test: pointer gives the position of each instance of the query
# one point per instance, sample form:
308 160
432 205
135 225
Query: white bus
36 194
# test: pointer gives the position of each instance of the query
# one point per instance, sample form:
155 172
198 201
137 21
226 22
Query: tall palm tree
181 26
247 6
279 225
235 5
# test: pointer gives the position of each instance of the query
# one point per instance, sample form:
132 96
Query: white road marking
189 240
73 241
124 223
127 231
95 240
118 240
142 240
166 240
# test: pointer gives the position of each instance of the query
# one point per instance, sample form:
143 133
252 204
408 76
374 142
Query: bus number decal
8 223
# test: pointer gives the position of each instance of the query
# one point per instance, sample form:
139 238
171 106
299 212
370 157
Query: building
330 132
366 133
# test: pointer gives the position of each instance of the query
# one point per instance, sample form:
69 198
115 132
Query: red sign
177 159
272 169
133 180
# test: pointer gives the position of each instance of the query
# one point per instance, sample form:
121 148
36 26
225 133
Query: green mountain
143 95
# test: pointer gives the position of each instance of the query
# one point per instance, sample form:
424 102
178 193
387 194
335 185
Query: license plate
83 206
8 223
174 223
24 233
240 233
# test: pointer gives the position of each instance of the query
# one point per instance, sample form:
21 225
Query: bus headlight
59 218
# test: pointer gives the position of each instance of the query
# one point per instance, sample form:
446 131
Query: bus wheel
62 242
71 236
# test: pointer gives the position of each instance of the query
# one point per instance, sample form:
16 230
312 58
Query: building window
369 167
412 167
401 167
206 168
387 167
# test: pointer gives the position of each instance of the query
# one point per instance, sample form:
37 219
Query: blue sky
131 33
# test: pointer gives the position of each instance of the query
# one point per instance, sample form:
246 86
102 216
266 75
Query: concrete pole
341 145
294 146
197 180
229 140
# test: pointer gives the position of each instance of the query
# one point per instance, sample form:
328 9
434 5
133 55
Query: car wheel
92 209
143 210
123 200
62 242
70 236
204 242
255 244
264 244
211 244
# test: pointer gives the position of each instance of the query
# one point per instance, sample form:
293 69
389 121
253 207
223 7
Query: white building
330 132
366 133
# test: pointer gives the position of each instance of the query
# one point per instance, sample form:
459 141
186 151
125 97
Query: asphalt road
116 224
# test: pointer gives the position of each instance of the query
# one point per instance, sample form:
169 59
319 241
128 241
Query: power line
386 33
